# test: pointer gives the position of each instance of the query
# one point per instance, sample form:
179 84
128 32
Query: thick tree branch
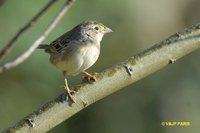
9 45
111 80
32 48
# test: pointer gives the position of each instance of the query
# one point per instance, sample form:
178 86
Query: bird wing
60 43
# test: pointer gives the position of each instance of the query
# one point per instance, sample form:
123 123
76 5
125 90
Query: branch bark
111 80
32 48
9 45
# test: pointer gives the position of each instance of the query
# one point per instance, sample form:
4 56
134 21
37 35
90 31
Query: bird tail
43 46
47 48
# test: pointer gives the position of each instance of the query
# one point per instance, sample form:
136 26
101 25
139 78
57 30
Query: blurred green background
171 94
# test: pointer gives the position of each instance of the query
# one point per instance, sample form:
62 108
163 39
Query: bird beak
107 30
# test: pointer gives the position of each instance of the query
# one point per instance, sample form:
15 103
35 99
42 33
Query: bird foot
89 77
69 94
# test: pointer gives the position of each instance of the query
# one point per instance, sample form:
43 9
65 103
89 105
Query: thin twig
111 80
6 49
32 48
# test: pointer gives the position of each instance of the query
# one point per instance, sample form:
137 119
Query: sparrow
77 50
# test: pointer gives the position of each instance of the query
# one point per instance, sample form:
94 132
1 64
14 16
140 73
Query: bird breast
90 55
77 59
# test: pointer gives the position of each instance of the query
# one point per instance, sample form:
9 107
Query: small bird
77 50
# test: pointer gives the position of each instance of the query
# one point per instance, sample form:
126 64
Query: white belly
80 60
90 57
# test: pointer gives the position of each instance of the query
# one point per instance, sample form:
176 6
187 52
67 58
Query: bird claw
69 94
72 91
89 77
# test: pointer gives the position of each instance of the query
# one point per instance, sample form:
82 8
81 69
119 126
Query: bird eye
96 28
